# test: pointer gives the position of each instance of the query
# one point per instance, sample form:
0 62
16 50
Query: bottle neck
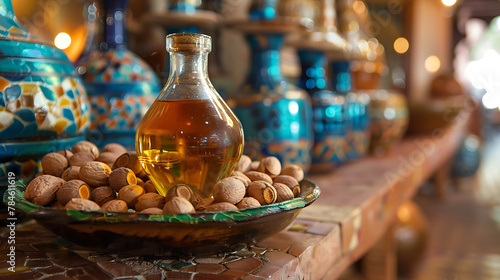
313 76
341 76
114 33
188 68
265 66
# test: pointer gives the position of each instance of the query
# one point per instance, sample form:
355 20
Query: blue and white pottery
120 85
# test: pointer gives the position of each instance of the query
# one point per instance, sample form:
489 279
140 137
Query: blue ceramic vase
43 103
121 86
468 157
275 115
263 9
358 135
184 6
330 120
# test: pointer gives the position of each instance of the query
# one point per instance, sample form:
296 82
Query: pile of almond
114 181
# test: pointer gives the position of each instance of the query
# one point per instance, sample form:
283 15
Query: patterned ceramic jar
120 85
43 104
358 136
275 115
330 121
389 120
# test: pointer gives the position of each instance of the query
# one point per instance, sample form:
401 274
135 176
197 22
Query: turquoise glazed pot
184 6
263 9
120 85
468 157
43 104
276 116
330 120
358 136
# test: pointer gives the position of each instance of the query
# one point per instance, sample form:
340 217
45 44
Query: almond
54 164
42 190
270 165
149 200
86 146
121 177
264 192
95 173
82 204
178 205
130 194
229 190
114 148
295 171
115 205
72 189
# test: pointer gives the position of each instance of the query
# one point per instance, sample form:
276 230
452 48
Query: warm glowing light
404 214
359 7
62 40
449 3
432 64
401 45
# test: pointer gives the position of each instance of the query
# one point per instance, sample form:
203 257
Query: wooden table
357 206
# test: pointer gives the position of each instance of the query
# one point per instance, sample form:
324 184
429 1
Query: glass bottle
358 136
121 86
189 135
275 115
330 121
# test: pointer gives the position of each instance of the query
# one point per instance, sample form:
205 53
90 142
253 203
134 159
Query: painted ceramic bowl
389 120
43 104
199 234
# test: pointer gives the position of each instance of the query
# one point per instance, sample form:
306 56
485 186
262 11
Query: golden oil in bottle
188 141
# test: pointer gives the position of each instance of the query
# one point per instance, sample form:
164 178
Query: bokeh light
449 3
62 40
359 7
432 64
401 45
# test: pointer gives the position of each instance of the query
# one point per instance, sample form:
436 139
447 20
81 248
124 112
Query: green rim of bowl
310 193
